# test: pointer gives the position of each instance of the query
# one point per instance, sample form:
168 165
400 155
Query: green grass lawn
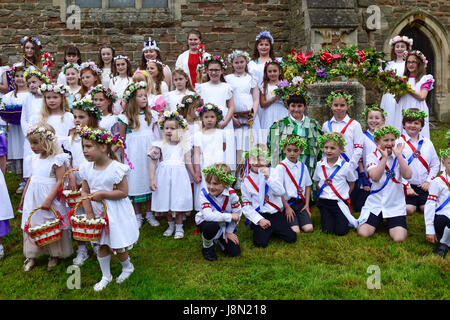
317 266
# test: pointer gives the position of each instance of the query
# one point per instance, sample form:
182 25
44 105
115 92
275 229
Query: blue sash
418 149
331 178
389 174
443 205
215 205
266 189
368 135
299 183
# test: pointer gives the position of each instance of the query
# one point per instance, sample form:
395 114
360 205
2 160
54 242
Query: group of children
132 142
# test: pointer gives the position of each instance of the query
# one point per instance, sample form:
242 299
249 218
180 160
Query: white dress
137 142
123 230
74 146
16 137
256 69
110 123
388 103
118 85
63 127
408 101
274 111
42 181
218 94
31 112
106 78
6 210
173 188
62 79
174 97
192 129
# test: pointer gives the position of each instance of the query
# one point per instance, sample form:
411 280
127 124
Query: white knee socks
446 237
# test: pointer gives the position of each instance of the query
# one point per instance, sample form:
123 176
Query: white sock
149 214
179 227
105 266
446 237
171 224
207 243
126 265
81 248
138 216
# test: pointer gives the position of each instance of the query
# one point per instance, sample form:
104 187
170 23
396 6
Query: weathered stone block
332 4
329 18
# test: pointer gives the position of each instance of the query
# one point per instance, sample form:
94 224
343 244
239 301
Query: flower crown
69 65
383 131
210 107
418 54
174 115
17 69
86 104
91 65
332 136
32 39
287 90
155 61
211 58
45 133
131 90
190 99
100 136
34 73
419 114
374 107
238 53
257 153
221 174
121 57
404 39
444 153
150 45
294 140
54 87
346 96
145 73
265 34
111 95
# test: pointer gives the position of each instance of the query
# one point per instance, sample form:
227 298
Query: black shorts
417 200
301 218
393 222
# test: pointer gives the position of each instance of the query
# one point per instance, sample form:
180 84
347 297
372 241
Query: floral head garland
444 153
32 39
287 90
265 34
16 69
155 61
91 65
86 104
53 87
210 107
190 99
70 65
219 59
339 95
419 114
333 136
111 95
46 134
175 116
100 136
121 57
384 130
295 141
145 73
418 54
221 174
238 53
150 45
257 153
404 39
34 73
131 90
374 107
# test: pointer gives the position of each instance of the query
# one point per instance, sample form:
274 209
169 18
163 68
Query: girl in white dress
105 58
72 76
246 103
104 178
90 76
262 53
71 55
122 78
421 83
399 45
183 87
42 190
220 93
6 212
169 181
136 126
272 108
104 99
151 51
156 72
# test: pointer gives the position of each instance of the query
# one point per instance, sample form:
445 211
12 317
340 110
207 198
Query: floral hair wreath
111 95
294 140
17 69
155 61
46 134
86 104
100 136
54 87
121 57
175 116
404 39
210 107
346 96
70 65
91 65
264 34
144 72
34 73
221 174
238 53
287 90
150 45
332 136
257 153
444 153
190 99
131 90
211 58
418 54
374 107
383 131
32 39
419 114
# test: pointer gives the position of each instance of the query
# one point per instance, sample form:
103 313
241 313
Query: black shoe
441 250
209 253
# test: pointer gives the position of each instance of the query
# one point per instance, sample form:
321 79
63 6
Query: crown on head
175 116
45 133
131 90
34 73
404 39
54 87
265 34
32 39
210 107
86 104
150 45
111 95
91 65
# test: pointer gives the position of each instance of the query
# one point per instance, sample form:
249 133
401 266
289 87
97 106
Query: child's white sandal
99 286
125 274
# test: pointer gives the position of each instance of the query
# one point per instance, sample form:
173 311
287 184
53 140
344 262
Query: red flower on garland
328 57
302 57
362 56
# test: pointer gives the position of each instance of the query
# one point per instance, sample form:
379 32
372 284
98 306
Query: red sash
330 184
419 157
445 181
266 197
346 126
299 189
